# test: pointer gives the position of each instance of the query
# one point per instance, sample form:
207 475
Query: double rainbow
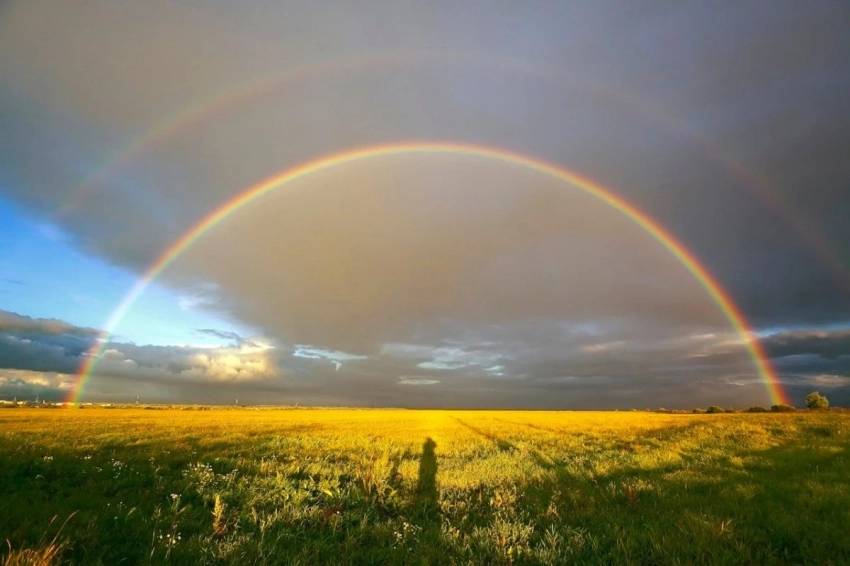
732 313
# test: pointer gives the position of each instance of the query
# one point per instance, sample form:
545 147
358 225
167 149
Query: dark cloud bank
44 355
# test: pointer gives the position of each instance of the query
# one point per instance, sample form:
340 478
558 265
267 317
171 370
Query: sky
424 279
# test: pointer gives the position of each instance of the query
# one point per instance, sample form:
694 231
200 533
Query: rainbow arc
688 260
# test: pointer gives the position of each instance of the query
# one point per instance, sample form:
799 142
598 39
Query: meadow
308 486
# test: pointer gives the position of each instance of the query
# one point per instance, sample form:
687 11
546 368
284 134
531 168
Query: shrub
815 400
783 408
757 409
698 411
715 409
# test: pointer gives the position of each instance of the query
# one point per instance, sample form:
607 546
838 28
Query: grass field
133 486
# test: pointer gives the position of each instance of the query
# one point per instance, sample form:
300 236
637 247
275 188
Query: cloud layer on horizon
580 373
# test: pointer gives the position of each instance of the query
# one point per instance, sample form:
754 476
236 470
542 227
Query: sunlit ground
425 487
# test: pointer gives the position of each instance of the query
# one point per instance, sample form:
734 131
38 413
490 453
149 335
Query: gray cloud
26 385
316 267
487 371
419 381
220 334
234 337
825 344
42 344
727 125
20 324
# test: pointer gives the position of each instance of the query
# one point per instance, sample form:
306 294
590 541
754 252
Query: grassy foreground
136 486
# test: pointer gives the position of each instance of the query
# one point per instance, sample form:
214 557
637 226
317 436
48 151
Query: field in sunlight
425 487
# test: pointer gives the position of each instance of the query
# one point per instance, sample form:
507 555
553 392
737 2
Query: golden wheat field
327 486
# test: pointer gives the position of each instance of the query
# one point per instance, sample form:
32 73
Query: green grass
425 487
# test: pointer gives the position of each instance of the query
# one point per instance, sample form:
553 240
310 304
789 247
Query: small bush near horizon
715 409
698 411
783 408
815 400
757 409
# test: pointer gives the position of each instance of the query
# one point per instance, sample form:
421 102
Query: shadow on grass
539 457
426 487
501 443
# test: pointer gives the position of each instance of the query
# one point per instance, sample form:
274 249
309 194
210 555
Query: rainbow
732 313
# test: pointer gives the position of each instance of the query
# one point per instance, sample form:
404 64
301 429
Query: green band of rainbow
685 257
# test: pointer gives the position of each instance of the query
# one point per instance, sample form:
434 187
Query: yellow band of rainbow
685 257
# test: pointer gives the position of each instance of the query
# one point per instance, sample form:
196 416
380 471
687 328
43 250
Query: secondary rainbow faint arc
173 123
730 310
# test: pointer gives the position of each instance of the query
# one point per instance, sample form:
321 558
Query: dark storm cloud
472 265
43 353
42 344
826 344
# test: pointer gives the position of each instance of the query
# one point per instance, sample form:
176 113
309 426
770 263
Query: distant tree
815 400
698 411
715 409
783 408
757 409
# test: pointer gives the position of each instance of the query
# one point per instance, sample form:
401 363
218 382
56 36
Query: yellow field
396 486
